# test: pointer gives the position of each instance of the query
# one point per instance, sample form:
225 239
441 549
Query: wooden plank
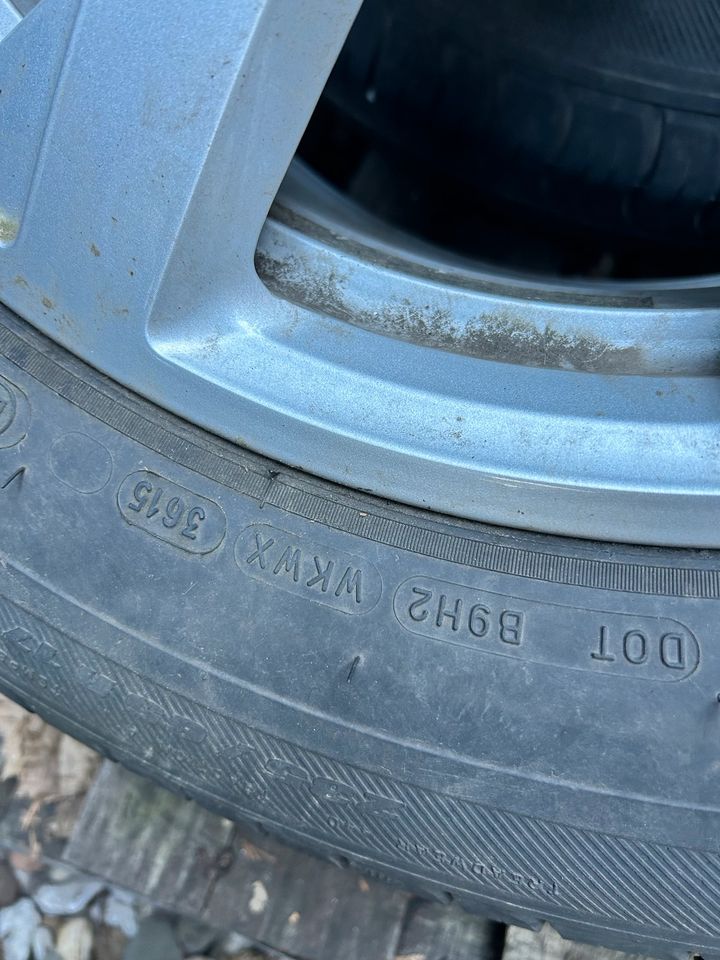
148 840
436 932
190 861
306 907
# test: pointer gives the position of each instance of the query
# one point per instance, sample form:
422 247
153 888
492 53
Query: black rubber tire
528 725
604 114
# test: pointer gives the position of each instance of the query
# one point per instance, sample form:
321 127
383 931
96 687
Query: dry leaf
48 764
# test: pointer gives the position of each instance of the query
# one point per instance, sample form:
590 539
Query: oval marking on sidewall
171 513
81 462
8 406
557 635
14 413
307 568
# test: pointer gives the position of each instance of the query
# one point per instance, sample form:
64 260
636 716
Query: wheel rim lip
667 327
552 450
381 420
621 503
153 283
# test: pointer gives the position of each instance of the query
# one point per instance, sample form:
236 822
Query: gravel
51 912
18 924
43 944
66 898
121 914
75 939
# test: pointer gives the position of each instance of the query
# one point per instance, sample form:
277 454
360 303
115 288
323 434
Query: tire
526 725
600 115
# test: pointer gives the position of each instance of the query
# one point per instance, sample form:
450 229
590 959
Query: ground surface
98 864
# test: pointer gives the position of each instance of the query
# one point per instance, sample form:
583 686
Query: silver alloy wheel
155 137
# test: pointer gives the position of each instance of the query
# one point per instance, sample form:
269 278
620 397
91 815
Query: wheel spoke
154 138
9 17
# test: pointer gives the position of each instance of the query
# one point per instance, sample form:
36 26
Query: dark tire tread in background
603 116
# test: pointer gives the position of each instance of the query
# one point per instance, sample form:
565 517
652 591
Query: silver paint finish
155 139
